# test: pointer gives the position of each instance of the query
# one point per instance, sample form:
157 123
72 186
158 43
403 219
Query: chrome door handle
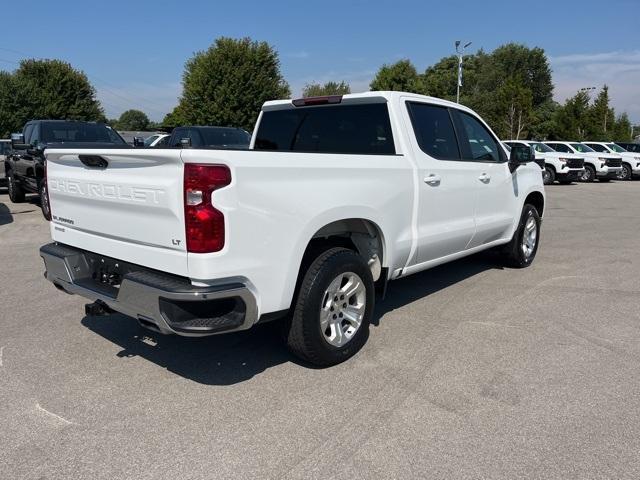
433 180
484 178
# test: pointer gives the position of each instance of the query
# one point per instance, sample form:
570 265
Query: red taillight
203 223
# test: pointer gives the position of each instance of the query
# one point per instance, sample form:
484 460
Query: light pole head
467 45
457 44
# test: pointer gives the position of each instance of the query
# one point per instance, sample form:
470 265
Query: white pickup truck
630 160
603 166
336 196
563 167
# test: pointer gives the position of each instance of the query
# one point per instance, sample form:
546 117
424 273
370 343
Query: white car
157 140
563 167
336 196
603 166
630 160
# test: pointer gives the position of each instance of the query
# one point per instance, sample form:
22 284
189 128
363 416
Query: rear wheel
333 309
522 249
548 175
589 174
16 193
44 201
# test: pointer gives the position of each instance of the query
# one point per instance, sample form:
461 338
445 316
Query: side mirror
138 142
185 142
17 142
519 155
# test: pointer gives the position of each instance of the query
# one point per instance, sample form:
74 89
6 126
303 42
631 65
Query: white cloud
155 100
620 70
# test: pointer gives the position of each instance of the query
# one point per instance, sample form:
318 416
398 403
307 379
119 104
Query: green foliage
329 88
132 120
227 84
621 131
400 76
49 89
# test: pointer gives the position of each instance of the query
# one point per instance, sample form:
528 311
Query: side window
597 148
28 133
196 138
434 130
483 147
559 147
177 135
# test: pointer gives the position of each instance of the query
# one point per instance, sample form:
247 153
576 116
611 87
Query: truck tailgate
125 204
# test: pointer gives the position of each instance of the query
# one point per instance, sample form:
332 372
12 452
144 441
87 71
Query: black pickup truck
209 137
25 163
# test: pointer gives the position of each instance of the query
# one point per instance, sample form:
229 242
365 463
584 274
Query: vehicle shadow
407 290
216 360
5 215
237 357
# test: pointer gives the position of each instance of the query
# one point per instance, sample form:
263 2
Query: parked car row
566 162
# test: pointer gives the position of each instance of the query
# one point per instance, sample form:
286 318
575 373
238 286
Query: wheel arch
536 199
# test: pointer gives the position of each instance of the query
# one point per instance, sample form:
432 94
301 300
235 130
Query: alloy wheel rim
546 176
342 309
529 237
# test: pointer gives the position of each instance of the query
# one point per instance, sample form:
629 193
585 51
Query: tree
621 129
573 118
8 106
515 107
601 117
329 88
400 76
133 120
227 84
52 89
441 79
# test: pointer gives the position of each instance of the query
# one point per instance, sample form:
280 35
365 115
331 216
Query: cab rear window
352 129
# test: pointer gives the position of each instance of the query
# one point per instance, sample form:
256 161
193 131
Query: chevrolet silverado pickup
630 160
335 197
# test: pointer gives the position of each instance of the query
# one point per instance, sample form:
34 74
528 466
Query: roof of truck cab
366 97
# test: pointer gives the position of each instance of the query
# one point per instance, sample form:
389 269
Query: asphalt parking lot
471 371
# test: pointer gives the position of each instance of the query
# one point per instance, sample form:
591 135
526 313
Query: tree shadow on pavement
236 357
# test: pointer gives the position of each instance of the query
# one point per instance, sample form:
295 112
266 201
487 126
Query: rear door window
434 130
350 129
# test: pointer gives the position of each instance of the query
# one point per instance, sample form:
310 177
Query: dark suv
25 163
209 137
630 147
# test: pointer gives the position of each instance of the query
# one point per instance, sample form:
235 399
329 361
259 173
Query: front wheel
522 249
589 174
333 309
16 193
626 173
548 175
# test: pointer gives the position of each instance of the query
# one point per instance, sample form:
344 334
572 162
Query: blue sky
134 52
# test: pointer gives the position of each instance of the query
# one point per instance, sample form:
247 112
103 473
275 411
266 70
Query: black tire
514 254
16 193
589 174
627 172
548 175
44 201
302 329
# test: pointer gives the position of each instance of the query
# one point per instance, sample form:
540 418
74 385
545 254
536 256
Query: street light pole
460 52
